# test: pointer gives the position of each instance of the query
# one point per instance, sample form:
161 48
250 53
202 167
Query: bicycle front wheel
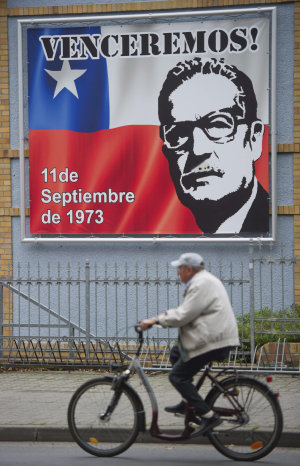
98 433
253 430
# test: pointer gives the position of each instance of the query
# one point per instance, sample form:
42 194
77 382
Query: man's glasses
219 127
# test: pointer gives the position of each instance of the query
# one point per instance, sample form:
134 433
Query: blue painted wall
162 253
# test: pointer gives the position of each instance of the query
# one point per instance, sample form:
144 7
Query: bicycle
105 415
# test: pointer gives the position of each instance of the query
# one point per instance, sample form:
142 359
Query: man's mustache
202 170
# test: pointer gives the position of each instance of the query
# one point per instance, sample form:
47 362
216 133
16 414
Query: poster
157 129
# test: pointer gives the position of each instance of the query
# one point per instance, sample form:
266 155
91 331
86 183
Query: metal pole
1 320
251 299
274 125
87 308
153 240
71 342
150 16
21 135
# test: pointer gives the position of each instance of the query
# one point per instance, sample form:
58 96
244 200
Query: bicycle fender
233 378
141 411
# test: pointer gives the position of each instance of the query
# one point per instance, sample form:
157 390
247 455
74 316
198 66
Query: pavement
33 404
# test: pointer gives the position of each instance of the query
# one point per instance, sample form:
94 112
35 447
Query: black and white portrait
212 138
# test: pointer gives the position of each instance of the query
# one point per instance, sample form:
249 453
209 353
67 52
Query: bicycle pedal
193 425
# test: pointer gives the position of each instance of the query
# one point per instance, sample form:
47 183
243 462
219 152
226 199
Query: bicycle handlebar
140 333
138 330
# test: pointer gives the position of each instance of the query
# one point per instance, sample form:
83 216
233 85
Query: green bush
275 329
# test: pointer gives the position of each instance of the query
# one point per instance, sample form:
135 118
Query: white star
65 78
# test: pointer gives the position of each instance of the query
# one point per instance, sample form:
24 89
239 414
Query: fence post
1 320
251 299
87 308
71 342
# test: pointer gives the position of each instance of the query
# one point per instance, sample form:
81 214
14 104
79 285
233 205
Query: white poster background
135 101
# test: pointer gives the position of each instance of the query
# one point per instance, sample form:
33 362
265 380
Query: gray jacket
205 318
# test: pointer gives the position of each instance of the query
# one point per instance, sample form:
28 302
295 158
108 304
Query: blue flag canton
65 94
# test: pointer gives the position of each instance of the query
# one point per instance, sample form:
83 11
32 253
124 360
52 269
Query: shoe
208 423
179 408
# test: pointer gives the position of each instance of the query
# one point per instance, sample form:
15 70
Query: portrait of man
212 138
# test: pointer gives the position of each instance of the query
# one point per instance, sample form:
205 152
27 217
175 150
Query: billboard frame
151 238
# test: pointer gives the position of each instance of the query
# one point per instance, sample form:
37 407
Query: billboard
149 129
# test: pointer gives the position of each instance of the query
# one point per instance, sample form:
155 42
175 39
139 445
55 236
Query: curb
58 434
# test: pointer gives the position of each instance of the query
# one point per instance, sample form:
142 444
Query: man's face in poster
213 144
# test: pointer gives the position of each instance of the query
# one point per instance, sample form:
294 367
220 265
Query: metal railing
84 315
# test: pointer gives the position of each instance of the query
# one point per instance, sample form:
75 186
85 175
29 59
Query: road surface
159 454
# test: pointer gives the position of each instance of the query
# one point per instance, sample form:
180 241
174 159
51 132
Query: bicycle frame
251 413
188 430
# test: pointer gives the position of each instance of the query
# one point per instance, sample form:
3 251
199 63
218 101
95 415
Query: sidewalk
33 404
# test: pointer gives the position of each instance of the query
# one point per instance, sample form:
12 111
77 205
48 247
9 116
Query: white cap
189 258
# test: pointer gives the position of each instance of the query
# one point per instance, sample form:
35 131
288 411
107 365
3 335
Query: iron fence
84 315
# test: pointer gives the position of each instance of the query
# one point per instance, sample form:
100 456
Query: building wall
13 251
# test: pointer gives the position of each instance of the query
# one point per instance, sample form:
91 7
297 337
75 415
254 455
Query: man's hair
197 269
184 71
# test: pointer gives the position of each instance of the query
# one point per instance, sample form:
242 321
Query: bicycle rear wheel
98 434
254 431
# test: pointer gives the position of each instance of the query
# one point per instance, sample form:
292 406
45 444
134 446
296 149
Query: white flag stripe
135 82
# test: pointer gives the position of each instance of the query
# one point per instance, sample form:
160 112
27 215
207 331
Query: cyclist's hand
147 323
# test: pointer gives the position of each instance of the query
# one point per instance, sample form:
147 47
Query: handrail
47 309
68 322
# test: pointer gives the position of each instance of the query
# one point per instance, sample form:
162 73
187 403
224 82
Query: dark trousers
181 376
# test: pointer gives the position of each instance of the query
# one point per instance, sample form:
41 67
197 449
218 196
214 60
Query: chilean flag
93 128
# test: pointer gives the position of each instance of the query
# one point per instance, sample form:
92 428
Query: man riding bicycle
207 332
